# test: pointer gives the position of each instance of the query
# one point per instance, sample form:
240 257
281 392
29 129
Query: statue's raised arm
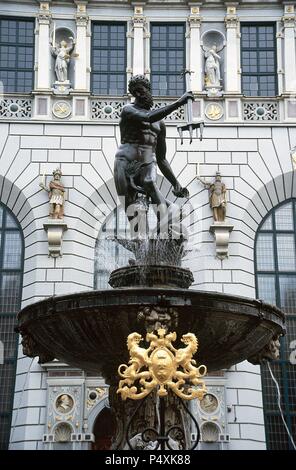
204 182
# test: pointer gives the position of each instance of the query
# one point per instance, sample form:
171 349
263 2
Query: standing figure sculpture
142 149
56 192
217 197
212 67
63 55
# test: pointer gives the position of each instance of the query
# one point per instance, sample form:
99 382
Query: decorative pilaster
138 25
232 51
81 63
43 54
289 48
195 54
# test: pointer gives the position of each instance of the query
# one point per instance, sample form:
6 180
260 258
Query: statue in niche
56 191
142 149
217 197
63 56
212 67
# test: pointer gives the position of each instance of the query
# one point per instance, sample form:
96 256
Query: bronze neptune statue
142 149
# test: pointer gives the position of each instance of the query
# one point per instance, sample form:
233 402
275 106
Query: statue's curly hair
138 80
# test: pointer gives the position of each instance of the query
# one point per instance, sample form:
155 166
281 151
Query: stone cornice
231 21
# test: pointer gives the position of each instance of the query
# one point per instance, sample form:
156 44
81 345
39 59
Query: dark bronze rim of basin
89 329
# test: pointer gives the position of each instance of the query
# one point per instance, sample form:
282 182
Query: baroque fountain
89 330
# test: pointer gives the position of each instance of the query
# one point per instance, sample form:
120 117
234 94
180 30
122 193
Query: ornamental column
289 49
43 54
232 72
195 55
81 61
138 24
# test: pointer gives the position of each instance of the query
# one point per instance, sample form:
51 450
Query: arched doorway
104 429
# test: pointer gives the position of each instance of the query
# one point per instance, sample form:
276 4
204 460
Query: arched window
11 274
275 263
109 254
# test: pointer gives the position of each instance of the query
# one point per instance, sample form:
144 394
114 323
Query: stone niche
63 31
210 38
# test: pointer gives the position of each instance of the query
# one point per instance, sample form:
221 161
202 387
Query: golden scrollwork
165 367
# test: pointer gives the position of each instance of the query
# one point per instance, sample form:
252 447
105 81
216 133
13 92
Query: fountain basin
89 330
155 275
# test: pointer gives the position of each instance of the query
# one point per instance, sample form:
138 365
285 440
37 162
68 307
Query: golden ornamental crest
164 367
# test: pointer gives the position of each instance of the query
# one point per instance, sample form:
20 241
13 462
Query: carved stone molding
32 349
138 20
156 317
81 16
289 21
16 107
194 21
260 111
55 230
270 352
231 21
44 14
82 20
221 231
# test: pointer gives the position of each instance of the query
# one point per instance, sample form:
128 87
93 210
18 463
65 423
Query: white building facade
249 135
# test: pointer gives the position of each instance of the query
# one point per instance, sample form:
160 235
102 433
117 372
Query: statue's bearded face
143 97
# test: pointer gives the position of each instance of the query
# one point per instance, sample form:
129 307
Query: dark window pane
286 252
25 58
8 79
266 288
284 217
258 55
9 295
7 56
17 55
265 252
109 59
288 294
267 224
167 59
12 250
